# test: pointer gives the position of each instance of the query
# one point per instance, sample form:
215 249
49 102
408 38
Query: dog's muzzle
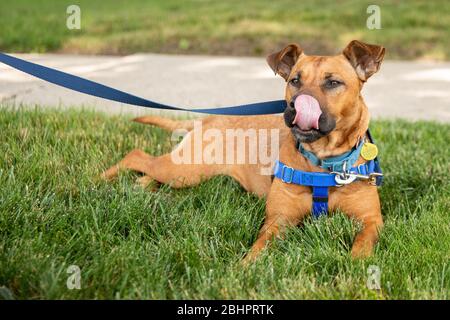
307 112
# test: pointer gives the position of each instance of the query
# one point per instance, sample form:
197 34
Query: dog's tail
166 123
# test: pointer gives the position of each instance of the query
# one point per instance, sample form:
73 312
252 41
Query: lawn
410 29
168 244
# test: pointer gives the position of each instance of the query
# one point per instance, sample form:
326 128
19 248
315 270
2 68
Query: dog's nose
292 104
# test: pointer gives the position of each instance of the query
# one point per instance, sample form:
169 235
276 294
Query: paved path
411 90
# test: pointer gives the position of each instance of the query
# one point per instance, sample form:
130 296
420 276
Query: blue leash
99 90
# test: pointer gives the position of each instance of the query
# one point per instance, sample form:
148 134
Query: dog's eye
295 81
331 84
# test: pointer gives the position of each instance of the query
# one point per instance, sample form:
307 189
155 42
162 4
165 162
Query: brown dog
337 125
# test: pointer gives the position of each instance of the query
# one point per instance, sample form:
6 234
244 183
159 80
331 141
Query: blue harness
340 174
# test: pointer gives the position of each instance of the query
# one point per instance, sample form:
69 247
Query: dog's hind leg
136 160
162 169
145 181
171 168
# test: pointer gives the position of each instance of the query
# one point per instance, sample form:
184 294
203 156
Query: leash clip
344 177
373 178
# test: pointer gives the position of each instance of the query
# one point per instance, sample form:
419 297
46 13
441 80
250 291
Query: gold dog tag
369 151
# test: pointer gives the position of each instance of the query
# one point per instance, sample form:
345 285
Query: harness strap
320 201
312 179
319 181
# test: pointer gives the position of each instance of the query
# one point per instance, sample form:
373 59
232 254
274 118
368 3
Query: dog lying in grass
325 119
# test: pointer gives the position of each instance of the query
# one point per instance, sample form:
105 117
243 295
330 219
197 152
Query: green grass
410 29
134 243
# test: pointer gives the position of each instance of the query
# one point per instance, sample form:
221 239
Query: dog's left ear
282 61
365 58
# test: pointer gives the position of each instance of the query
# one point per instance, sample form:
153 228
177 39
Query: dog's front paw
110 173
361 250
248 260
252 255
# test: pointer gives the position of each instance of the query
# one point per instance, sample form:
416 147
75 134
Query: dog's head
322 91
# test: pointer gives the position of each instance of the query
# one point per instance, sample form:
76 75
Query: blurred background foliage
410 29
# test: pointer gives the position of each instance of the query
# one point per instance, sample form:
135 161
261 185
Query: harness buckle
291 176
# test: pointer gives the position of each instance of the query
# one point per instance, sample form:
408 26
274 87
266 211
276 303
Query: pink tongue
308 112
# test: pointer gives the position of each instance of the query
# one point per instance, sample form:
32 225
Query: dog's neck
346 137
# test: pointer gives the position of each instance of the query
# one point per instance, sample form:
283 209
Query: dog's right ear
282 61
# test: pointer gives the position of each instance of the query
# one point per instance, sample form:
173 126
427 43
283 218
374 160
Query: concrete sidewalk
409 90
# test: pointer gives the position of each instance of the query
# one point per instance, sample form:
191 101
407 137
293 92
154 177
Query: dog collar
337 163
321 181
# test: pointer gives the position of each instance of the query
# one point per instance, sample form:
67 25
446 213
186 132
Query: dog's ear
365 58
282 61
